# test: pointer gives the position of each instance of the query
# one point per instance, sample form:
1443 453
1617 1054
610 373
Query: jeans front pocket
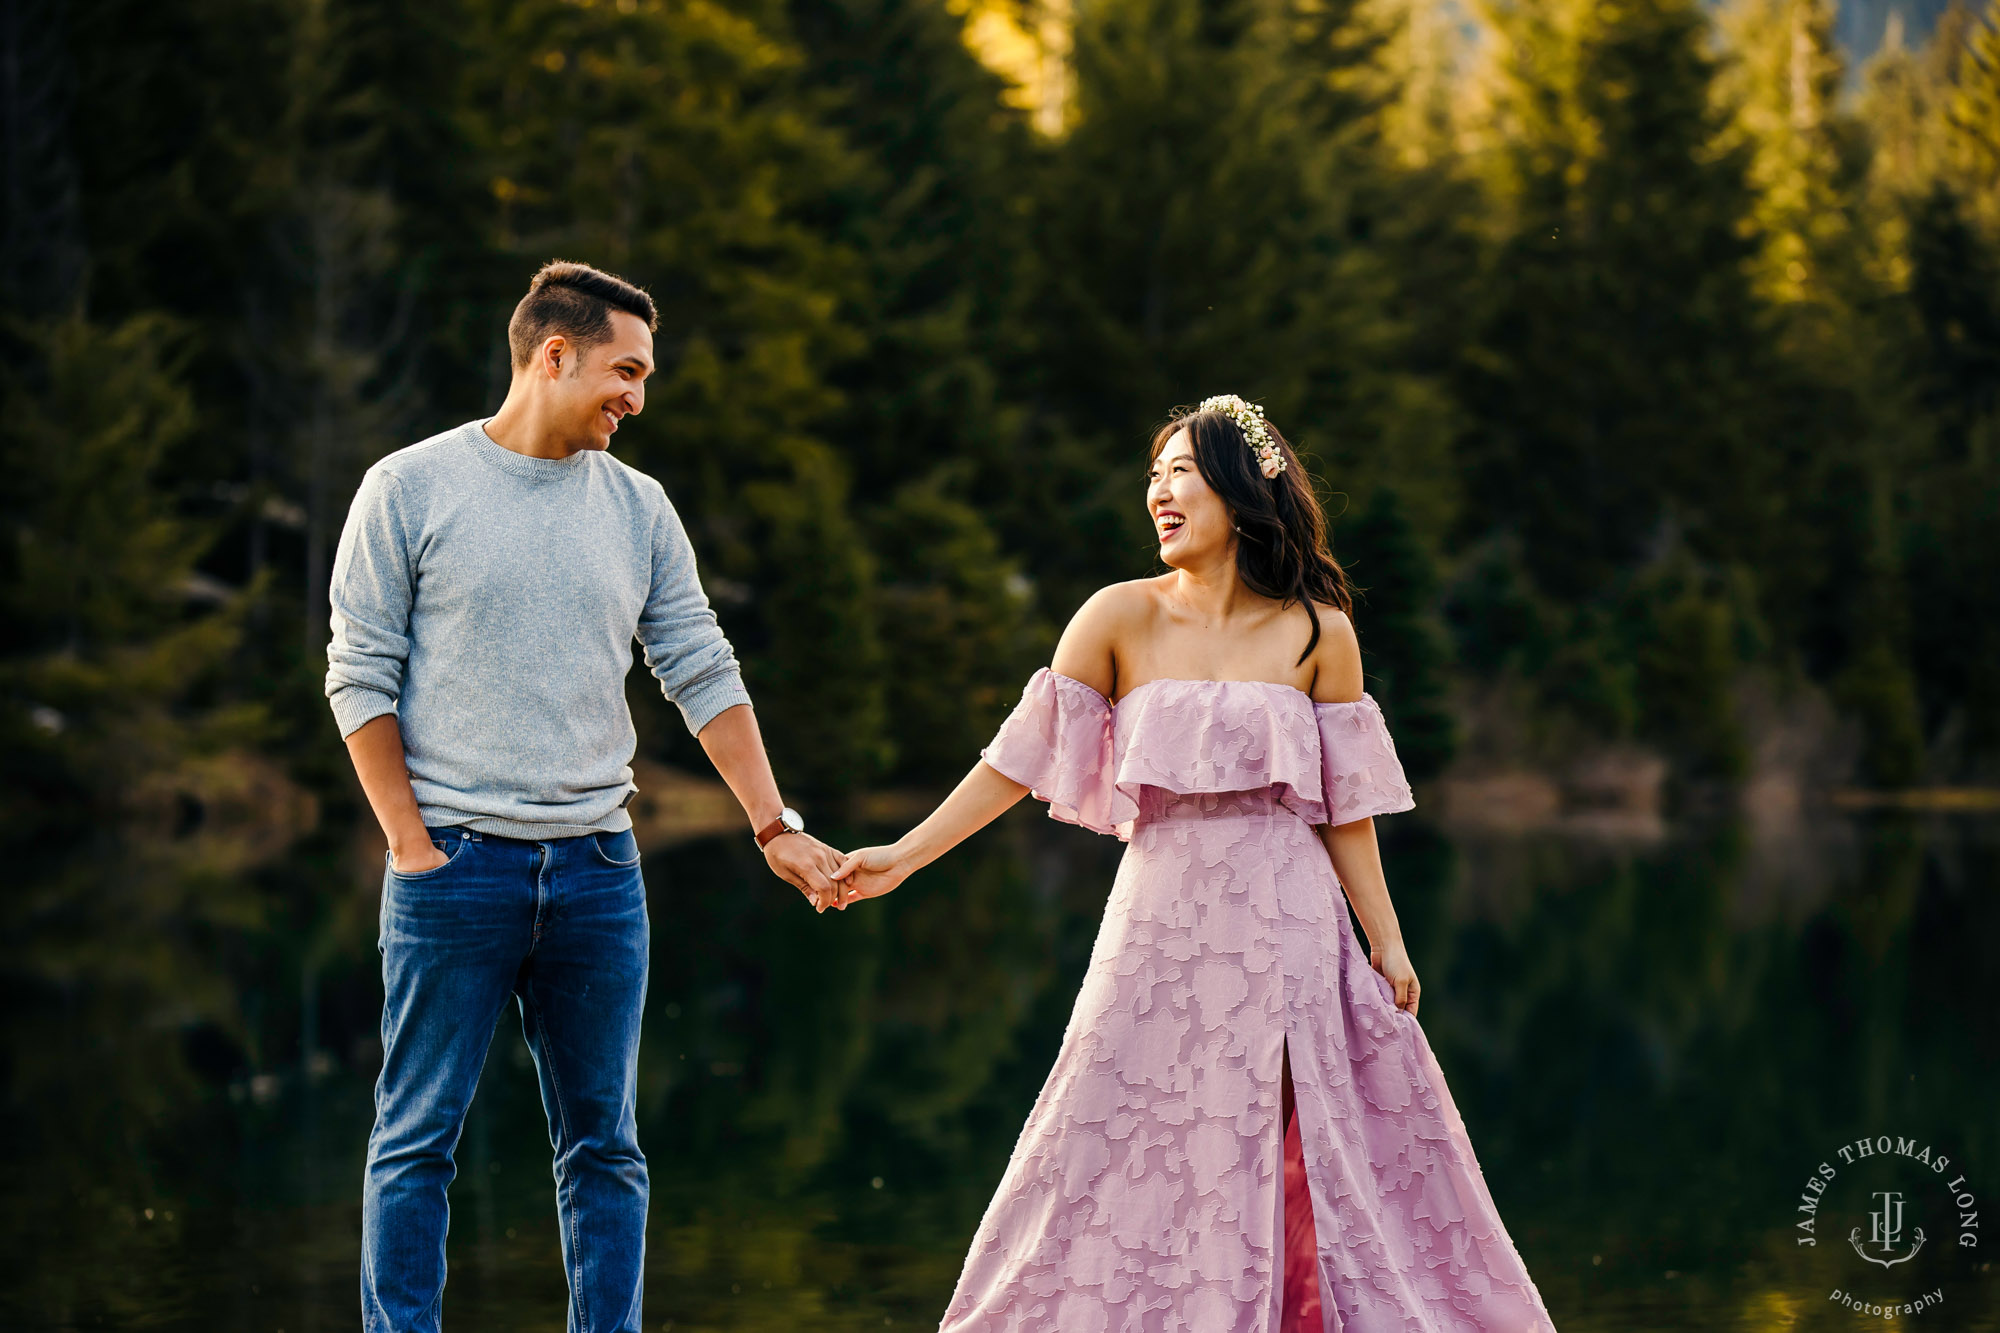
453 843
619 849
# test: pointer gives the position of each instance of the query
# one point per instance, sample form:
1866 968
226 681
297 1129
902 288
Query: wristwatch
788 821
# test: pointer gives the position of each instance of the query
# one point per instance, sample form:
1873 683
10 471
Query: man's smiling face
607 381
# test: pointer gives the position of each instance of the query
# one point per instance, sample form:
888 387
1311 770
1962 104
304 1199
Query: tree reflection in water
1652 1045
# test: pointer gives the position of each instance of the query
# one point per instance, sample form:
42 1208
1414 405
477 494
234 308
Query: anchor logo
1885 1230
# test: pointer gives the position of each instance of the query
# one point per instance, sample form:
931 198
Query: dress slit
1300 1312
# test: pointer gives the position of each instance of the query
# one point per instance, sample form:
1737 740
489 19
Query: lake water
1654 1045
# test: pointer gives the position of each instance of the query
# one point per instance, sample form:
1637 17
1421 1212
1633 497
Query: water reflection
1652 1045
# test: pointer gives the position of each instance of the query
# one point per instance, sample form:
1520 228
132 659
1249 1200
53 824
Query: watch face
792 819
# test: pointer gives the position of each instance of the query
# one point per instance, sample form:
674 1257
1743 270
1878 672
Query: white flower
1249 418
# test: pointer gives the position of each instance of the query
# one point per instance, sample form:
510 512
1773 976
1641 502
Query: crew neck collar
522 465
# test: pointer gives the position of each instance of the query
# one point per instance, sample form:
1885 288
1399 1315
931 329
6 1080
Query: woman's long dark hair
1282 551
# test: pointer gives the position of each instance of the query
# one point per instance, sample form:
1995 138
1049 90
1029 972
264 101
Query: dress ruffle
1057 743
1360 773
1093 762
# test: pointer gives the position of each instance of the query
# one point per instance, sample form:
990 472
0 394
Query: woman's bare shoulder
1111 615
1336 658
1119 606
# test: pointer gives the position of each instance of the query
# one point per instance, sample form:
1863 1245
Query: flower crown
1249 418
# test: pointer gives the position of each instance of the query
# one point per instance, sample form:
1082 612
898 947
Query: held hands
829 879
1393 962
868 873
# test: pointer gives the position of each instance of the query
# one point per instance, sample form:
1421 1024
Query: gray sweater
490 600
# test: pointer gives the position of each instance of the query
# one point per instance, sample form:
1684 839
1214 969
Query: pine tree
1952 531
1823 269
1782 85
1429 214
326 320
111 631
1617 391
1617 382
932 212
1934 120
293 238
934 216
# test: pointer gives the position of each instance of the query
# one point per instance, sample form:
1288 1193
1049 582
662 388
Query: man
486 592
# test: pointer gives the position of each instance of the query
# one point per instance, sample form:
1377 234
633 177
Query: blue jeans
560 926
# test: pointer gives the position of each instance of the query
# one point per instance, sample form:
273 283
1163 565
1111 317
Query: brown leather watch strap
771 830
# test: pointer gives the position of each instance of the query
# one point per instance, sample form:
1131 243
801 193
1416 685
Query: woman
1245 1128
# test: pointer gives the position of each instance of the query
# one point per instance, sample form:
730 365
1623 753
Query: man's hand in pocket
416 858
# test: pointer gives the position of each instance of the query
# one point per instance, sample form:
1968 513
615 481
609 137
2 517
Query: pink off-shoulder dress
1149 1189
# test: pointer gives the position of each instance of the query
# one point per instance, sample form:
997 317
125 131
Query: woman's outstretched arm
981 797
1085 654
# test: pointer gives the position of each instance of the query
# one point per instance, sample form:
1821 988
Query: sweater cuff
354 705
700 705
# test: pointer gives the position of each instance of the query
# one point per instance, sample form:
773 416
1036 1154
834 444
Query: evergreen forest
1647 355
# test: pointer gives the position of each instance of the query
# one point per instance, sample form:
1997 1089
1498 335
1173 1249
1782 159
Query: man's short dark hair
576 301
